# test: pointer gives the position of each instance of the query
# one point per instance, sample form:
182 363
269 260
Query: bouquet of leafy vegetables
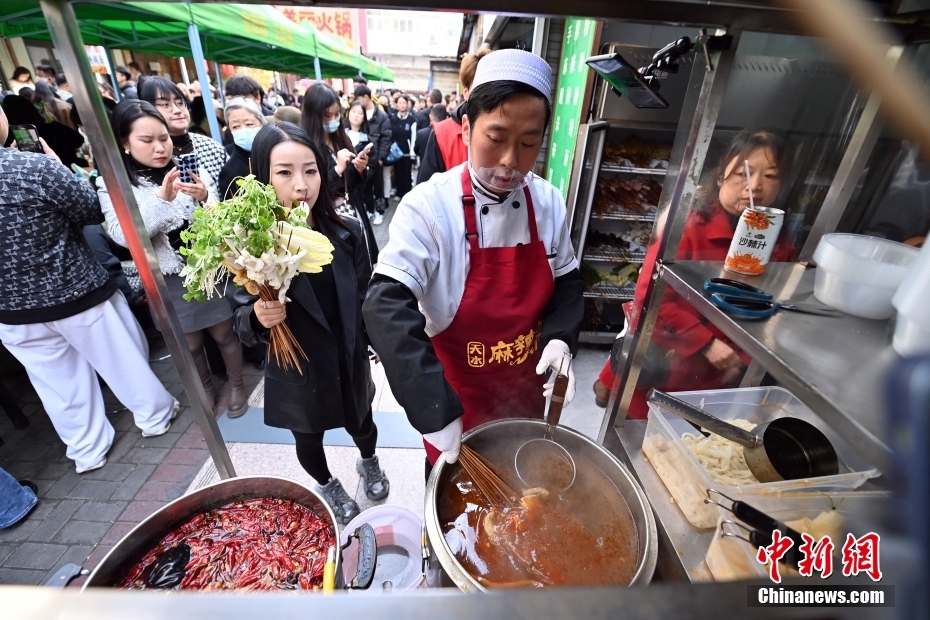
262 244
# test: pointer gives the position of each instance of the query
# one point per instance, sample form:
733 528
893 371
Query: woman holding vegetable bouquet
167 206
333 387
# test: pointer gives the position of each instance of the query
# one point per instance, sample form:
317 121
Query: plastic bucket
398 532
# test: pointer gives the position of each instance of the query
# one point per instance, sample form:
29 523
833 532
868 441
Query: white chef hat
516 65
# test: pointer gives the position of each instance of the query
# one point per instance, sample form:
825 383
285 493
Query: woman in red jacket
698 355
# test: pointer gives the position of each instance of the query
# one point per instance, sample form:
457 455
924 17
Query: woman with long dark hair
333 388
167 206
359 132
346 170
173 106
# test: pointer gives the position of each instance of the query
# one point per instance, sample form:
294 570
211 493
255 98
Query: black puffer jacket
381 134
43 209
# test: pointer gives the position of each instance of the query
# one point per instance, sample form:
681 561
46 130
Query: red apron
490 350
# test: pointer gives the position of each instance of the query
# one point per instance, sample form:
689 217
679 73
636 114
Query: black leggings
310 447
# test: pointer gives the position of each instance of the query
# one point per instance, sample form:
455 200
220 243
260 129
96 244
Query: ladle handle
702 418
557 401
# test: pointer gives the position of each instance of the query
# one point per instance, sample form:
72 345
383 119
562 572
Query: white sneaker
84 470
379 219
371 215
174 414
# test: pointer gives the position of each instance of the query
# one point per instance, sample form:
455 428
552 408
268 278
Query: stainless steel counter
836 366
683 545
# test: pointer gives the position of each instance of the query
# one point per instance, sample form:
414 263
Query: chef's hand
448 440
269 313
557 355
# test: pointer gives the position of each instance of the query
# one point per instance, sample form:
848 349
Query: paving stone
162 441
133 482
182 422
123 443
96 556
82 532
20 531
111 471
116 532
5 550
39 556
78 582
76 554
22 470
100 511
39 435
55 470
15 451
169 472
123 421
55 520
43 509
180 456
161 491
65 485
146 455
191 439
94 489
139 511
21 577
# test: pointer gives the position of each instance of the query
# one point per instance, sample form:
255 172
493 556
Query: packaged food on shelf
617 195
610 246
687 480
637 235
638 153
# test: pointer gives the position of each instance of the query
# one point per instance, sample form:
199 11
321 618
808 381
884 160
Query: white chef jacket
428 251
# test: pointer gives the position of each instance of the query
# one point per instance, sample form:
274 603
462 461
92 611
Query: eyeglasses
167 105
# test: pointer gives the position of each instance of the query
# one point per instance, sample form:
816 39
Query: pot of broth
599 531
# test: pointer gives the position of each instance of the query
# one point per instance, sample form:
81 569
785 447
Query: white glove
557 355
448 440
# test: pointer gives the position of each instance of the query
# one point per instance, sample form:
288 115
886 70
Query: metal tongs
760 527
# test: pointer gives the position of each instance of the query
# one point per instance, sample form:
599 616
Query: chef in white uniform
477 297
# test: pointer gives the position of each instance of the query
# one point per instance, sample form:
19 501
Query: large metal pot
134 545
579 446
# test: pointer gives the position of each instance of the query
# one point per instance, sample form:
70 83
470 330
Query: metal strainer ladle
543 462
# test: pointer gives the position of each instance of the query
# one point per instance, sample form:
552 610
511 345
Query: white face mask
244 137
331 126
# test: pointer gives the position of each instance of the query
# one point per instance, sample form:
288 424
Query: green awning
235 34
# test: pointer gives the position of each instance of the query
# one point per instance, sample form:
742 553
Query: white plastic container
729 558
398 532
688 481
912 300
859 274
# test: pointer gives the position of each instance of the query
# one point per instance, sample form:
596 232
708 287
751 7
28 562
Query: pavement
80 517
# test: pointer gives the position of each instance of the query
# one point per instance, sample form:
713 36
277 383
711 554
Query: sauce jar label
756 233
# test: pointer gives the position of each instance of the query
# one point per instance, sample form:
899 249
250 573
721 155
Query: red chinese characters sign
333 22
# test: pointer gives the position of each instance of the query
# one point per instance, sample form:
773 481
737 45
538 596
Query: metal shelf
836 366
623 215
614 256
610 291
608 167
597 337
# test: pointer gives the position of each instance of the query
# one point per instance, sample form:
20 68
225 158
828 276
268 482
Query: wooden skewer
487 477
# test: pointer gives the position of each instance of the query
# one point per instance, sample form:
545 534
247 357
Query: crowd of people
345 157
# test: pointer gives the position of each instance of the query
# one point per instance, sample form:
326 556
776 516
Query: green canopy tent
253 36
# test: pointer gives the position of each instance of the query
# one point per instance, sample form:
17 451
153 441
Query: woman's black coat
312 402
354 181
236 166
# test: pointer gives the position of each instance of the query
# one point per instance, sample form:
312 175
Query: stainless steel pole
695 130
316 69
193 33
66 36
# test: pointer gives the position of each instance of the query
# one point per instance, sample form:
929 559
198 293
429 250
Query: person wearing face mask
686 352
243 118
321 118
404 130
167 206
478 293
333 388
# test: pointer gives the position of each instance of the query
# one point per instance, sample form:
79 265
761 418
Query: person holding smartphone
321 118
167 204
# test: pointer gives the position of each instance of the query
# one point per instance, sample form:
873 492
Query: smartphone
626 80
27 138
367 149
186 164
